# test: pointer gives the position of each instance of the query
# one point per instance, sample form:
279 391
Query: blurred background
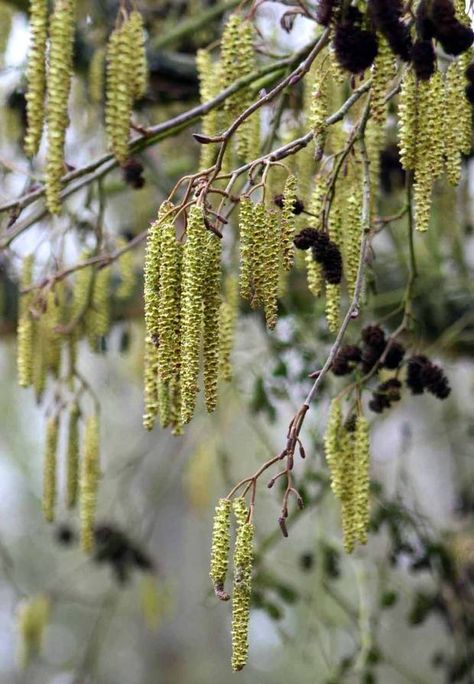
400 609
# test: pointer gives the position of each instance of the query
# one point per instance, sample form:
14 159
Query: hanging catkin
61 40
247 246
139 70
191 309
209 84
407 115
36 75
150 384
72 456
25 330
169 300
89 482
319 107
49 468
270 268
126 264
152 271
361 459
32 618
287 226
212 303
227 320
242 589
96 78
220 547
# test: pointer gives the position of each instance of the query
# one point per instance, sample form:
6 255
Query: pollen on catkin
49 468
61 43
212 303
260 228
407 115
32 618
220 547
152 271
139 67
89 482
72 456
331 445
242 588
453 121
25 329
150 384
347 474
36 75
287 224
169 300
352 237
98 315
227 320
361 459
319 108
247 247
191 310
383 70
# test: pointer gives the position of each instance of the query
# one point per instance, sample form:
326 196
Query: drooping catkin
242 588
454 121
150 384
361 459
72 456
333 291
319 107
98 315
89 482
209 83
247 247
347 474
36 75
52 319
96 80
191 310
25 329
287 224
212 303
32 618
314 270
49 468
270 268
220 547
332 446
139 67
152 271
61 43
227 320
247 135
407 115
383 70
169 300
259 267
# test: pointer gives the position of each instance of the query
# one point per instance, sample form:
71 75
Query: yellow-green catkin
227 321
36 75
220 547
89 482
209 84
229 71
314 271
212 303
332 446
361 458
270 268
96 80
150 384
139 71
454 121
247 136
191 310
288 222
169 300
319 108
61 43
25 330
112 62
242 588
98 316
49 468
72 456
352 235
407 120
260 228
383 70
347 468
126 264
152 271
247 247
32 619
333 292
52 319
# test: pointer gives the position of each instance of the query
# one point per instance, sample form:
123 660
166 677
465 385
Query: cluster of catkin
347 455
48 75
127 73
237 60
242 576
435 130
186 318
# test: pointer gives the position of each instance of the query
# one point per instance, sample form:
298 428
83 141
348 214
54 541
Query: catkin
169 300
72 456
36 75
97 318
227 320
361 459
25 330
209 83
150 384
407 114
247 247
32 618
352 237
348 473
220 547
287 225
191 310
126 265
242 588
61 40
319 108
96 78
139 66
453 121
270 268
331 445
89 482
212 303
49 470
383 70
259 266
152 271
